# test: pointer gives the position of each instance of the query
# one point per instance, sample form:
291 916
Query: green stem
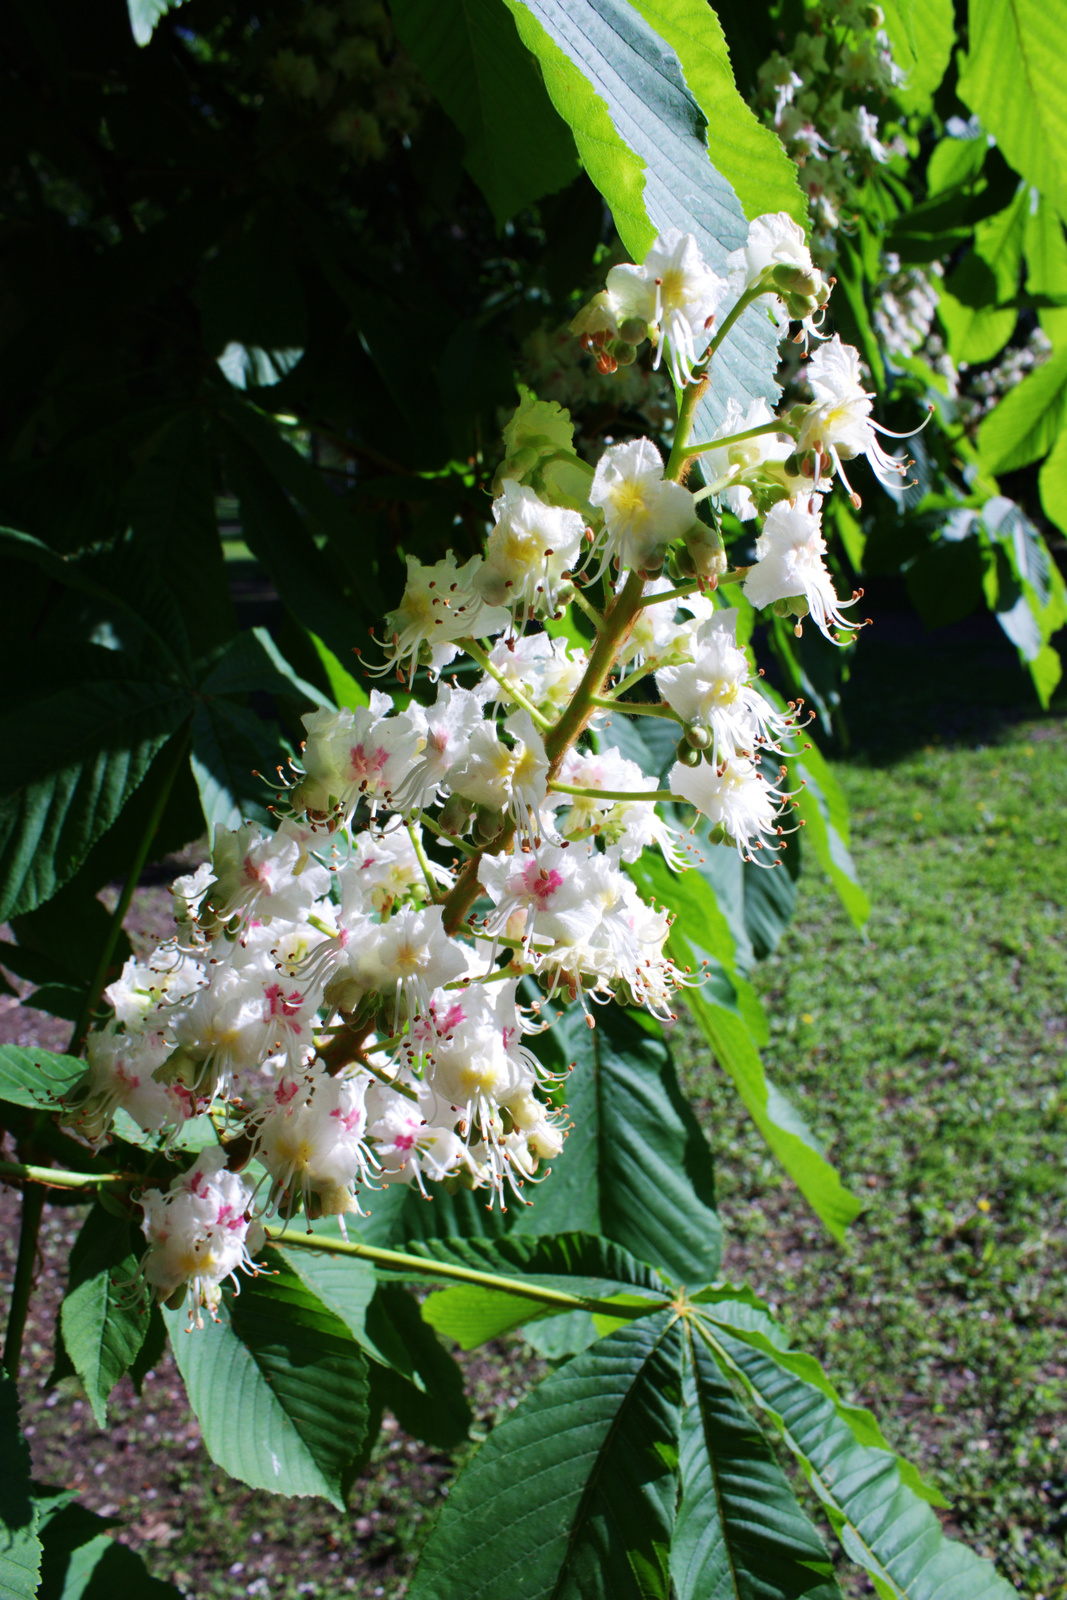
477 654
420 855
427 1267
449 838
633 708
590 610
61 1178
612 794
99 978
29 1229
638 675
776 426
743 304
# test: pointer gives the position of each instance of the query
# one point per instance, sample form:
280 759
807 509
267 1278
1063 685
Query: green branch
426 1266
476 653
612 794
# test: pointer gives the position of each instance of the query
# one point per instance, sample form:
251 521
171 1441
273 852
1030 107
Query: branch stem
29 1229
634 708
61 1177
634 795
427 1267
476 653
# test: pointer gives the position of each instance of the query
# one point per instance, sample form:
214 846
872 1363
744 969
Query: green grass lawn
930 1058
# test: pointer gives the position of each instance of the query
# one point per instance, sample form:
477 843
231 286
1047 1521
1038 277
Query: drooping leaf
1010 77
253 662
104 1315
740 1530
517 146
347 690
20 1547
748 155
643 139
1025 424
230 744
278 1385
825 813
872 1500
922 33
430 1405
636 1166
72 756
573 1493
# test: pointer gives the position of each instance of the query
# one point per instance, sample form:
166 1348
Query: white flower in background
311 1140
745 458
735 797
188 892
140 989
440 604
860 130
656 635
350 756
539 667
199 1232
643 511
677 294
839 423
790 564
383 868
262 875
529 549
447 727
625 826
119 1077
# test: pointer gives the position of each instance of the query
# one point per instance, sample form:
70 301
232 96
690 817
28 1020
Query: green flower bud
456 814
717 834
874 16
687 755
697 736
488 825
633 330
794 280
795 606
706 551
624 354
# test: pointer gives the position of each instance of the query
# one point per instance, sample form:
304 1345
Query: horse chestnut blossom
355 996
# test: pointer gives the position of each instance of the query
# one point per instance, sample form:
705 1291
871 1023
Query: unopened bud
794 280
717 835
456 814
488 824
624 354
874 16
795 606
633 330
697 736
791 466
680 565
706 550
687 755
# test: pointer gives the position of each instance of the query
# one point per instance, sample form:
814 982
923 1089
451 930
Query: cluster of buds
350 995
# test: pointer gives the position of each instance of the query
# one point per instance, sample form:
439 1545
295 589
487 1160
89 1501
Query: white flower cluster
817 98
343 994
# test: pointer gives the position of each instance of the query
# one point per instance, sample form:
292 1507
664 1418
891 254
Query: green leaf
32 1077
573 1493
1045 249
636 1166
922 33
873 1501
781 1125
230 744
253 662
431 1404
145 16
1026 423
825 812
643 140
104 1315
517 147
72 757
347 691
278 1385
1011 78
1025 589
1052 482
750 156
80 1561
20 1547
986 278
740 1530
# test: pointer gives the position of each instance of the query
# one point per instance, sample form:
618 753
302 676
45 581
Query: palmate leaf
643 139
636 1166
574 1492
1026 423
922 35
31 1077
1011 78
73 755
80 1558
104 1315
517 146
876 1504
279 1386
740 1533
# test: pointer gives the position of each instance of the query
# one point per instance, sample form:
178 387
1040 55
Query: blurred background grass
929 1057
